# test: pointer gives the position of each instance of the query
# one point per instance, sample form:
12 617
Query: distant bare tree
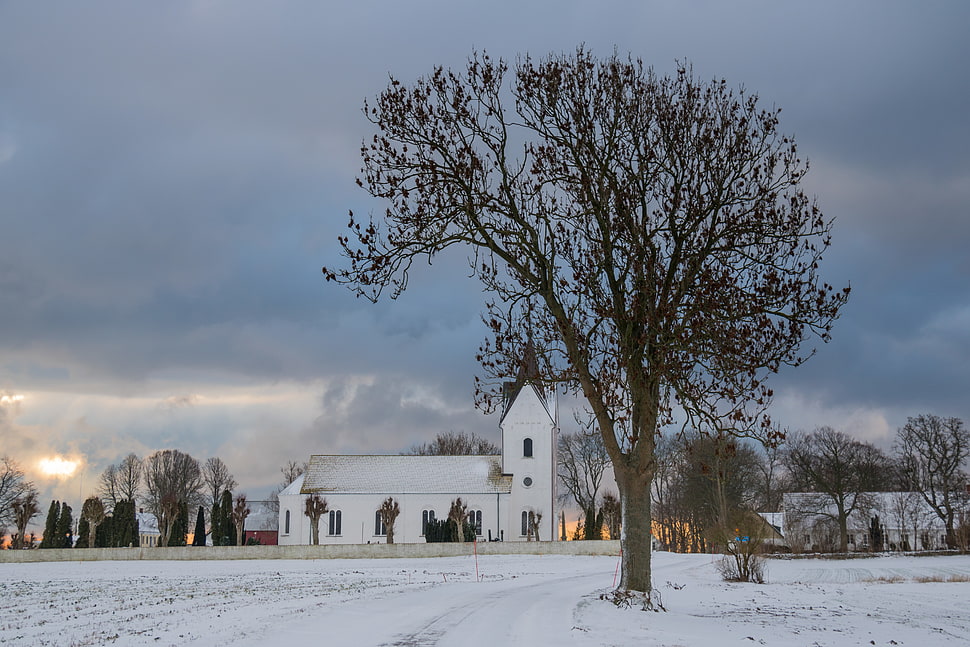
389 511
932 452
316 507
108 487
838 470
93 512
772 481
25 508
240 511
455 444
582 460
13 486
120 482
217 479
291 471
129 477
612 514
172 478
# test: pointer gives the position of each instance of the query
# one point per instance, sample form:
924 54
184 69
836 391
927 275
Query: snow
515 600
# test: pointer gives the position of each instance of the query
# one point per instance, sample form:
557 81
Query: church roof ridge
395 473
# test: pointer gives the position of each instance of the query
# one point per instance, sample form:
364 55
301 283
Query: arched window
525 523
426 517
475 521
286 524
335 517
527 448
379 529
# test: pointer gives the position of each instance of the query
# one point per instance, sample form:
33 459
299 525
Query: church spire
528 373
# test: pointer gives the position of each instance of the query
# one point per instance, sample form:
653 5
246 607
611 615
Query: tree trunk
635 536
843 530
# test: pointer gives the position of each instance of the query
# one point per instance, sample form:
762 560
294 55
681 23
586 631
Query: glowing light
10 399
58 466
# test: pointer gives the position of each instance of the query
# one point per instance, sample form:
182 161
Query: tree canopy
647 233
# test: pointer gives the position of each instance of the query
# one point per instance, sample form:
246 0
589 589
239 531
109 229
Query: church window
527 518
379 528
527 481
335 519
527 448
475 520
427 516
286 524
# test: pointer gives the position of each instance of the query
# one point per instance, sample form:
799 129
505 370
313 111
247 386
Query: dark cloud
174 175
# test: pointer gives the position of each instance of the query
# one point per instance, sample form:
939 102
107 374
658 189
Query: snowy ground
517 600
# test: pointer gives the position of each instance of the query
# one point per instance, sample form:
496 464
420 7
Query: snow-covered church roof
405 475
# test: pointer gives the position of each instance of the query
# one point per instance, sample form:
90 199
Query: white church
504 493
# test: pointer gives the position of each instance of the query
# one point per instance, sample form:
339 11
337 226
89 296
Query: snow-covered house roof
774 519
263 516
405 475
147 523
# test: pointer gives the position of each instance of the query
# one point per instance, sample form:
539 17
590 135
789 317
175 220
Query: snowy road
523 609
519 600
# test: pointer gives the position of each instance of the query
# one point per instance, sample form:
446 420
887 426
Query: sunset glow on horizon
58 466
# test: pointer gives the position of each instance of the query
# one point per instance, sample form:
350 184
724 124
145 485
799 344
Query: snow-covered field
515 600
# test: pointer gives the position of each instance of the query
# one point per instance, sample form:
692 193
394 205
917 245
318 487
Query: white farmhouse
503 493
903 520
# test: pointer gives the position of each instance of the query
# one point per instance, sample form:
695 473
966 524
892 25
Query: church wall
358 516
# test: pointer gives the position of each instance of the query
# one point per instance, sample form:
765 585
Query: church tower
529 428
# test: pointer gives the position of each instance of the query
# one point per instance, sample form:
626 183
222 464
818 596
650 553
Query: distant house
148 533
504 494
262 524
900 520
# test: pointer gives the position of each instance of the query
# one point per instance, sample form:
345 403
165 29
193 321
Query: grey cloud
174 176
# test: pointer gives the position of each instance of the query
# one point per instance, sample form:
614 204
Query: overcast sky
174 175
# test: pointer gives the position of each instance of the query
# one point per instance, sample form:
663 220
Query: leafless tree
908 512
240 510
535 520
25 508
649 233
612 514
459 514
217 479
13 486
121 482
291 471
455 444
837 470
582 460
933 452
771 479
316 507
129 477
172 478
93 512
389 512
108 487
